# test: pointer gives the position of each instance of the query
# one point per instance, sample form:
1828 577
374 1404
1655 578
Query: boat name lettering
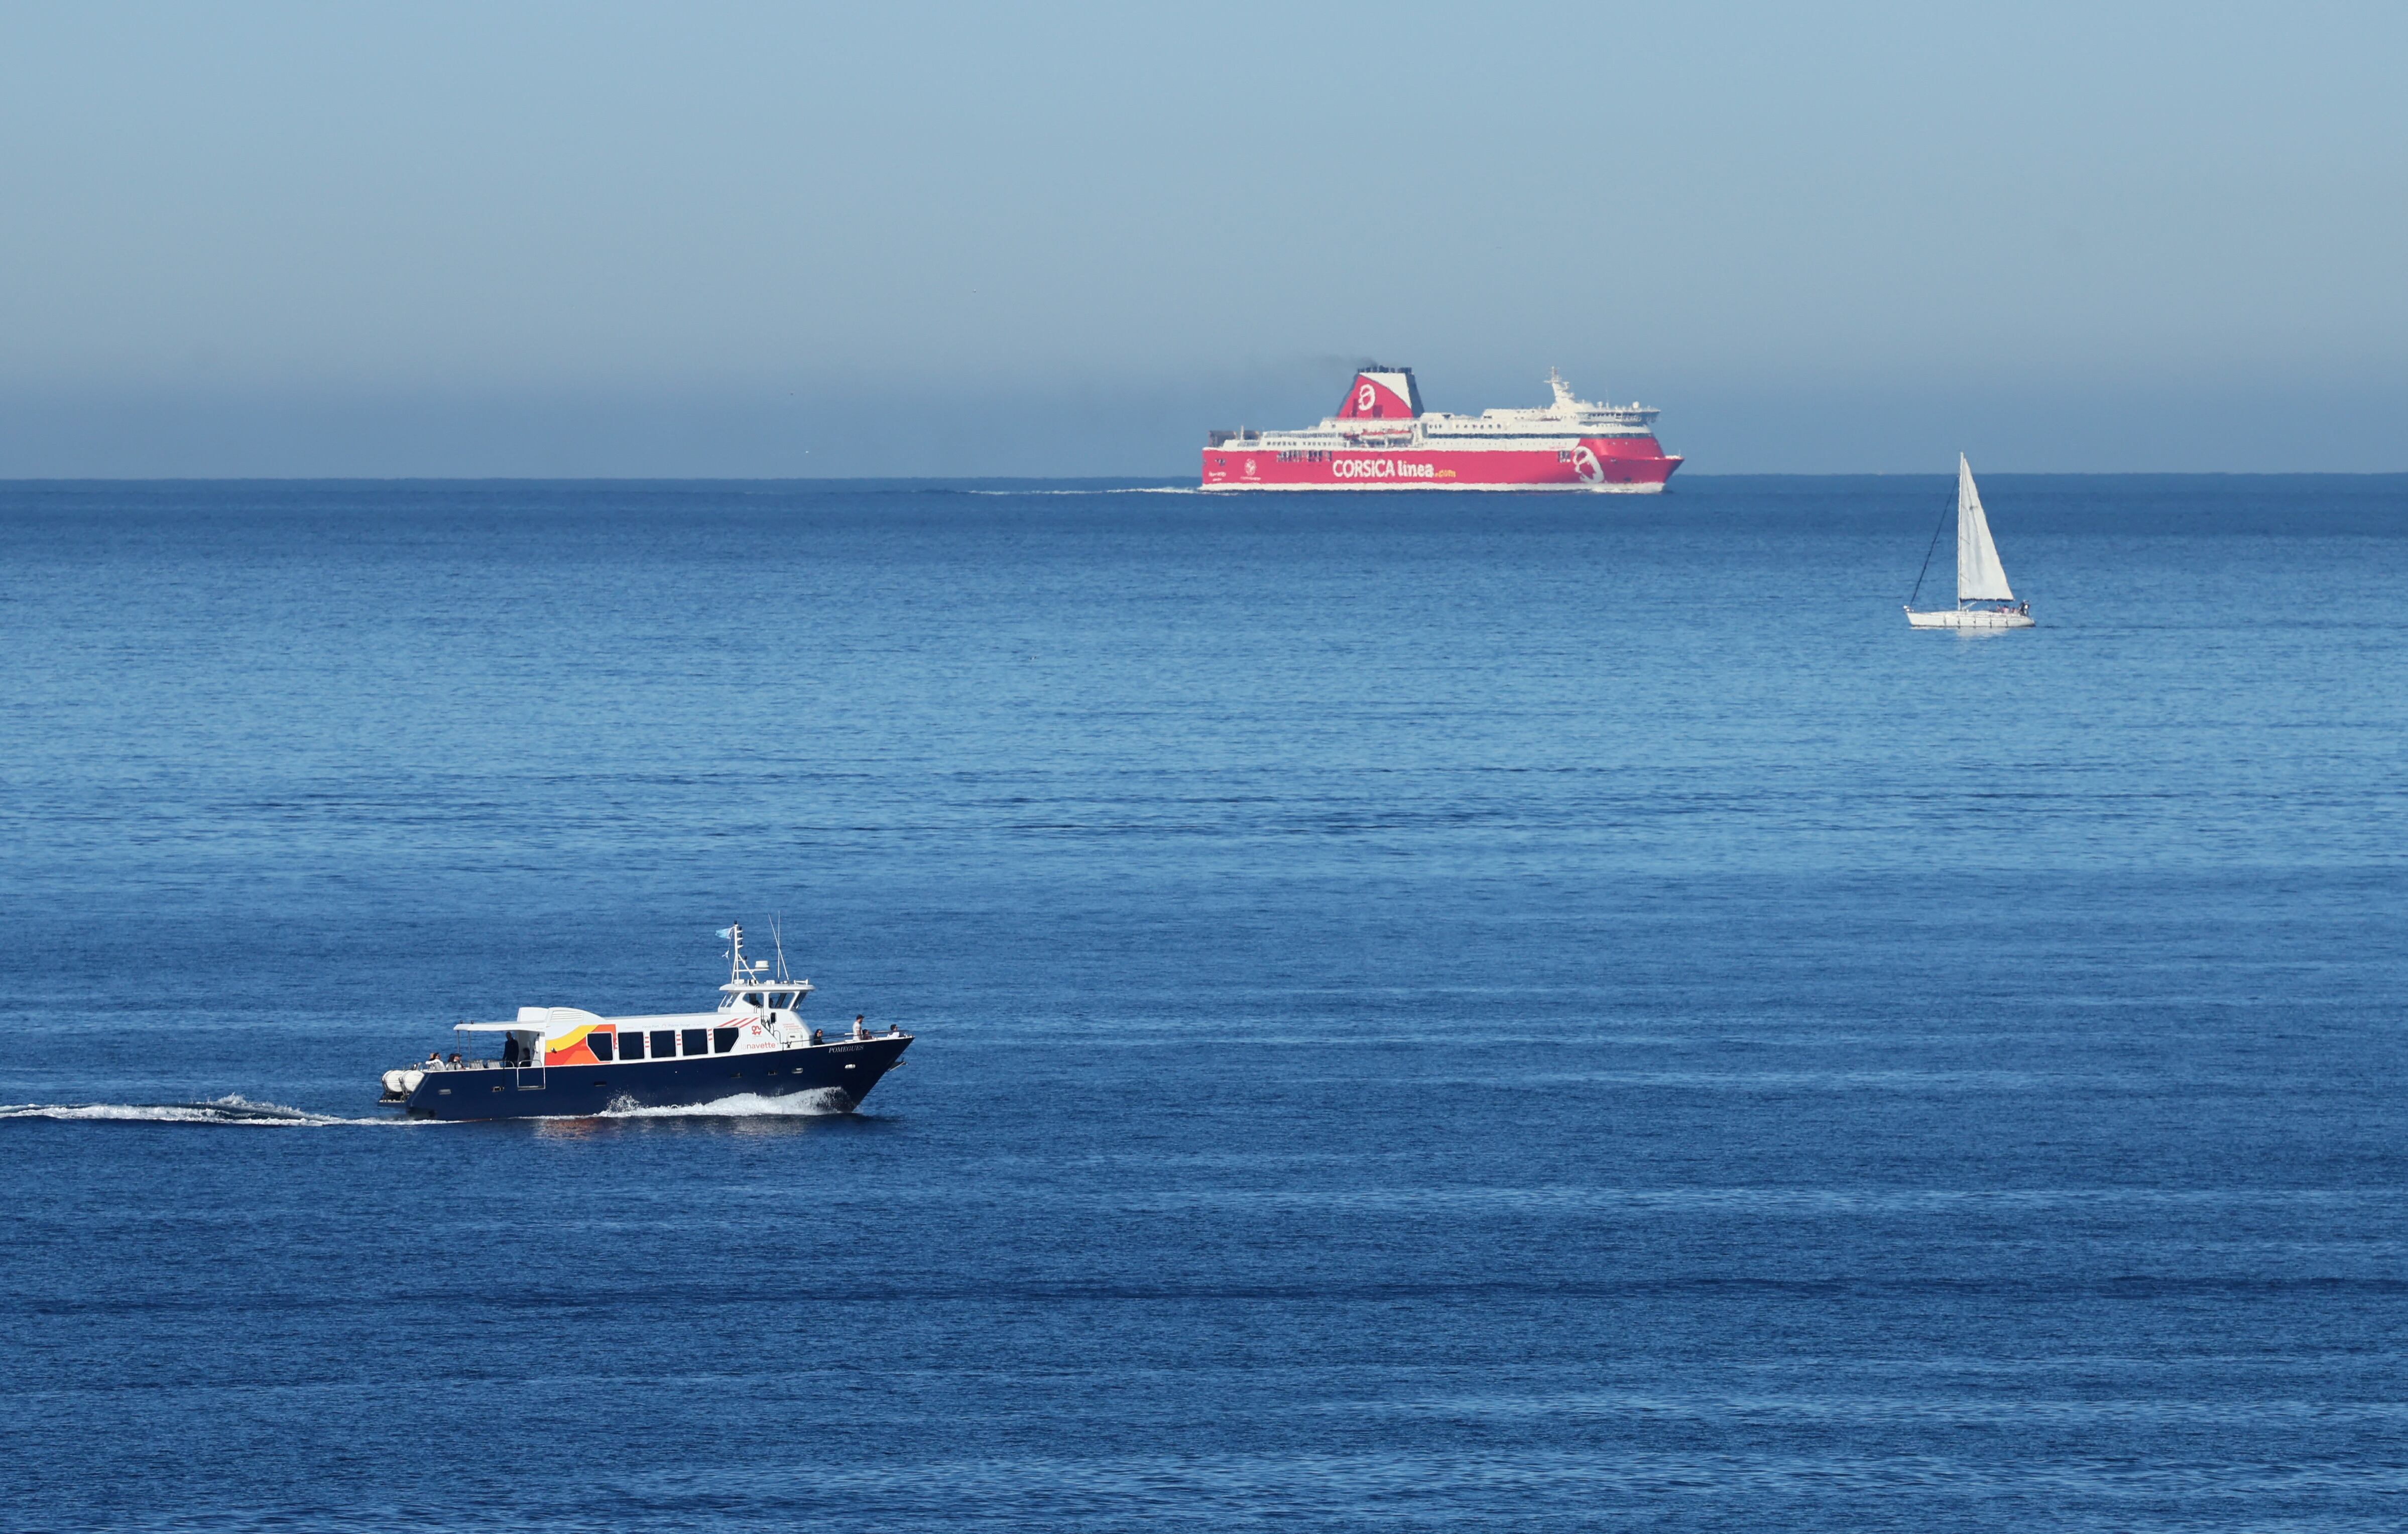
1382 468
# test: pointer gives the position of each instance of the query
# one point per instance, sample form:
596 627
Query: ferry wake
559 1062
1381 438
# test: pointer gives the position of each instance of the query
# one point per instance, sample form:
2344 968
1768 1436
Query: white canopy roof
559 1018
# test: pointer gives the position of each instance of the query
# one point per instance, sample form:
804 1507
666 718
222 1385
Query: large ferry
563 1062
1381 438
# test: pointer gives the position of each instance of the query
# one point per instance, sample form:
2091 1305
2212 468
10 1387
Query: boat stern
400 1084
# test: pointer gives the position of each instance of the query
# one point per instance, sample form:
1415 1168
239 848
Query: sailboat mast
1929 549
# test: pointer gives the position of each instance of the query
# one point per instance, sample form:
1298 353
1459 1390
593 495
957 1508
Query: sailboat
1984 599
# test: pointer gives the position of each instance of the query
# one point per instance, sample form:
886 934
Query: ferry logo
1586 464
1249 468
1378 397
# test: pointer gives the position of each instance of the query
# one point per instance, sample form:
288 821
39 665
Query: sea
1433 1013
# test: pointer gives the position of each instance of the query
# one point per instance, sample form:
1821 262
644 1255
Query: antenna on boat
778 939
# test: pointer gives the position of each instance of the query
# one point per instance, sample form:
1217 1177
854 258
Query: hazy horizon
750 241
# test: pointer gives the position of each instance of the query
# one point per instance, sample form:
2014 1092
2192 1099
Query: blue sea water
1450 1012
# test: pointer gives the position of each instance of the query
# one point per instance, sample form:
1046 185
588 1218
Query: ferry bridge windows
722 1040
663 1043
631 1046
600 1044
697 1041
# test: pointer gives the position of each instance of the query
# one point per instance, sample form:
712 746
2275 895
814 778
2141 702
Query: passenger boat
1382 438
561 1061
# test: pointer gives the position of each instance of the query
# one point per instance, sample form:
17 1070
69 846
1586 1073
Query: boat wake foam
823 1103
231 1108
1121 490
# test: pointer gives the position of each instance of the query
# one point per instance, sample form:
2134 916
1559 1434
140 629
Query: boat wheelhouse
555 1062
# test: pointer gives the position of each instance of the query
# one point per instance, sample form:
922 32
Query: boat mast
1928 552
735 951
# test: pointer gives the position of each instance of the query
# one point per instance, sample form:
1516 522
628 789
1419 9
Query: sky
771 240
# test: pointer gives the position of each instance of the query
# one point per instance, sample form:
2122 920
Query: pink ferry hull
1631 465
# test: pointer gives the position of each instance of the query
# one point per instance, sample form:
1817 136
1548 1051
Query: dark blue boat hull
846 1066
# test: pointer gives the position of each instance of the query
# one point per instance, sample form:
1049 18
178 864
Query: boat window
722 1040
696 1041
753 1000
631 1046
663 1043
600 1044
782 1000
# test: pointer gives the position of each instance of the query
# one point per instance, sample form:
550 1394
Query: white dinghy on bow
1984 599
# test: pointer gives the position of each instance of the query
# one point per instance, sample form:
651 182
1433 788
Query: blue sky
717 239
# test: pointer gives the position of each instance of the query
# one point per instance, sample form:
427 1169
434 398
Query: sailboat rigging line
1927 560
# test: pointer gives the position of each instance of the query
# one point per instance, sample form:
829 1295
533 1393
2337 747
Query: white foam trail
230 1109
823 1103
1125 490
236 1109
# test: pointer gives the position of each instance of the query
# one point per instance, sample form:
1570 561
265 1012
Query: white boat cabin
758 1011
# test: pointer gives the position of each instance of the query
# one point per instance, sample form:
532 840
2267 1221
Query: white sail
1980 576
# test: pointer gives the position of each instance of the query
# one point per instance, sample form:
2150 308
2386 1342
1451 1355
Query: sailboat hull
1967 619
